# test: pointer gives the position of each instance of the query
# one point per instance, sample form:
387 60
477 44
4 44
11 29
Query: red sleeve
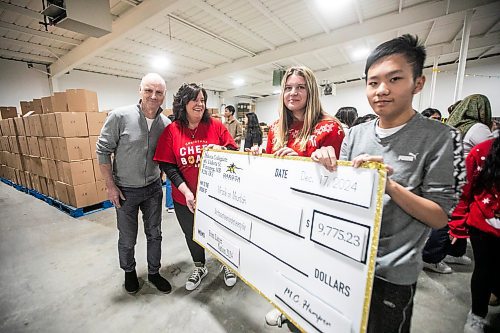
458 221
164 151
270 137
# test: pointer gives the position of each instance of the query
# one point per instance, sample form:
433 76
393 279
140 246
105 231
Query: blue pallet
68 209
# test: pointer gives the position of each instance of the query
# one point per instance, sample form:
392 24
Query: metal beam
55 51
229 21
131 21
430 32
358 11
21 10
39 33
26 56
317 16
271 16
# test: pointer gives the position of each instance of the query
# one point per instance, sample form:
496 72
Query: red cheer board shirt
327 132
182 146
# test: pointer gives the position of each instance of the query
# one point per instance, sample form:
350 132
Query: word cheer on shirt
183 147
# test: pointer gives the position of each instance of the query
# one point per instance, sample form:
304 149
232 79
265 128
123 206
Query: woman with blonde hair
303 126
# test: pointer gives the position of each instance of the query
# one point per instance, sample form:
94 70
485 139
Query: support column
462 60
433 81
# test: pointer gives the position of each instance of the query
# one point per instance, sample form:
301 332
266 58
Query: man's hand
326 157
190 201
114 195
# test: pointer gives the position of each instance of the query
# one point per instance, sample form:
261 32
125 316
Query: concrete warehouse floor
60 274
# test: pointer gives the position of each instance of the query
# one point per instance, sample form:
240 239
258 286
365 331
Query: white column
433 81
462 60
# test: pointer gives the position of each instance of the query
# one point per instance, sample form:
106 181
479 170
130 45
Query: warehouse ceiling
233 46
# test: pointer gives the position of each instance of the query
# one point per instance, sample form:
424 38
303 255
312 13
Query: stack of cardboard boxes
52 150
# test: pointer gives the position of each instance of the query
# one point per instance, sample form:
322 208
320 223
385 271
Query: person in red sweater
478 216
303 127
179 152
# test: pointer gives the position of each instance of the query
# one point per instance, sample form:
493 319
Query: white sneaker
474 324
195 279
229 276
440 267
170 210
463 260
275 318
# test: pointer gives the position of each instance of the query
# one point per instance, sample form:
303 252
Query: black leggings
186 221
486 273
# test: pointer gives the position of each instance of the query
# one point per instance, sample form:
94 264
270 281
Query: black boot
160 283
131 282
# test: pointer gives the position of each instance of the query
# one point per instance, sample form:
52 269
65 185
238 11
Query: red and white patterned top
480 210
327 132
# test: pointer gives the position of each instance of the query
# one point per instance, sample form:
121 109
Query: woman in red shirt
303 127
478 215
179 152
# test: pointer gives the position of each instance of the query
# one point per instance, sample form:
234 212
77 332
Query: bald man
133 179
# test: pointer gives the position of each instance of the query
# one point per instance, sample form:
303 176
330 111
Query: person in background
472 117
169 202
303 126
347 115
179 153
254 132
452 107
478 216
495 125
423 159
432 113
133 179
364 119
233 125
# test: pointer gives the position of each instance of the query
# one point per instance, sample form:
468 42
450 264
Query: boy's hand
358 161
326 157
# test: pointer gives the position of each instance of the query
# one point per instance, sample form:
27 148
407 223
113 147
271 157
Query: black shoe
160 283
131 282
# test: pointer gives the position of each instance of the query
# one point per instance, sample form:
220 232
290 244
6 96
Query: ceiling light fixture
160 62
238 82
360 54
329 6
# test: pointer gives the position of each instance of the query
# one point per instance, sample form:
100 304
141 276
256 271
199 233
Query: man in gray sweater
133 180
425 168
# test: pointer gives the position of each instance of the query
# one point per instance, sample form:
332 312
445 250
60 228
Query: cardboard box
50 148
36 166
16 162
4 143
47 104
19 124
25 107
92 143
76 173
22 178
35 182
59 102
27 125
34 148
102 192
14 144
71 124
23 145
43 147
52 166
49 125
72 149
43 186
26 162
12 126
77 196
82 100
97 170
34 125
8 112
4 125
51 188
95 121
36 105
27 177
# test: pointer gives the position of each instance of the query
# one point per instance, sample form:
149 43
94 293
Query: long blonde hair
313 114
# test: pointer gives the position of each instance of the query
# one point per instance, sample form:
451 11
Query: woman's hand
255 150
285 151
326 157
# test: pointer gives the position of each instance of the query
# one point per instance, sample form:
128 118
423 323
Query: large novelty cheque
303 237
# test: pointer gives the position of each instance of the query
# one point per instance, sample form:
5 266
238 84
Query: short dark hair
347 115
364 119
188 92
430 111
231 109
407 45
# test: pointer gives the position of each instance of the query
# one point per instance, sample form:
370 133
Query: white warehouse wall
353 94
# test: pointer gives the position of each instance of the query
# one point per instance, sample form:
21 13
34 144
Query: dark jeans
186 221
391 307
149 200
486 274
439 245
